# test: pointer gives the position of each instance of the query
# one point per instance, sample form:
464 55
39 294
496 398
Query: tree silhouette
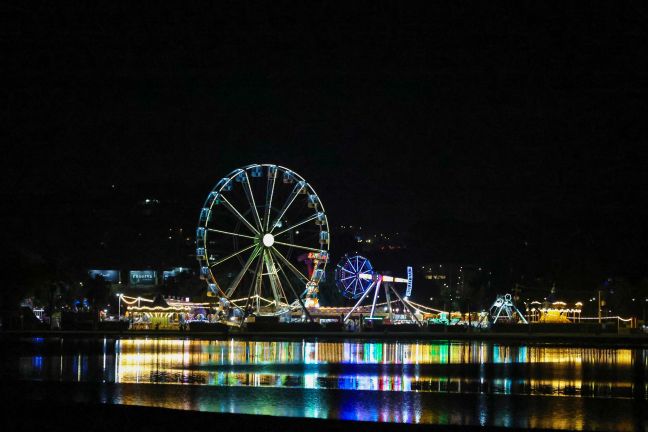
97 293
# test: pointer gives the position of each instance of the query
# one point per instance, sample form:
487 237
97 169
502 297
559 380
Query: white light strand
608 318
424 307
134 299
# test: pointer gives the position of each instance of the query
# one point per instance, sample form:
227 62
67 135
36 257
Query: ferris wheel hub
268 240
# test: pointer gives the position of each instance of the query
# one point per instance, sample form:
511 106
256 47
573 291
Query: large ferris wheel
258 227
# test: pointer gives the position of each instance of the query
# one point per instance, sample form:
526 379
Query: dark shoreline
30 415
634 340
47 405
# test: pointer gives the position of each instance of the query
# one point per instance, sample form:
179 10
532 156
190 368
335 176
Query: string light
609 317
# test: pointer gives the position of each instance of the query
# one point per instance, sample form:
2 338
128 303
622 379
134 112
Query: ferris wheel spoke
230 233
352 266
238 215
290 265
355 286
284 209
298 246
292 289
250 197
232 255
348 271
269 194
297 224
364 283
281 286
239 277
347 278
363 264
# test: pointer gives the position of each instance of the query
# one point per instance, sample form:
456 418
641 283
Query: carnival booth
555 312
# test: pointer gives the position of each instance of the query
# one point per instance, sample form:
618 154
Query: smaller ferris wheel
353 276
356 279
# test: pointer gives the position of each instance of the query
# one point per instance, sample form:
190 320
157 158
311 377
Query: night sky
527 121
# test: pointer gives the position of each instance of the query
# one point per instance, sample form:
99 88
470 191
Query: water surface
445 382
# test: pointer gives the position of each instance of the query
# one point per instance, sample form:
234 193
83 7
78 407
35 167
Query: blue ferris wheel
356 279
353 276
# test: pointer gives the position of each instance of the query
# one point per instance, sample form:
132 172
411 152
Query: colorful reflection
352 379
202 352
333 365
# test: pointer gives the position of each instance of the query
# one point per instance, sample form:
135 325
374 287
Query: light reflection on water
196 362
420 382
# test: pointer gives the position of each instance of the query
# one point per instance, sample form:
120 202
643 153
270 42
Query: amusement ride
504 309
253 225
356 279
262 243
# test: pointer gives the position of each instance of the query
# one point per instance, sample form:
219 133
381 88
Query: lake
436 382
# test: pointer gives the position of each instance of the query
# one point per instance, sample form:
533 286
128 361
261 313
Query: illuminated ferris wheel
257 227
356 279
353 276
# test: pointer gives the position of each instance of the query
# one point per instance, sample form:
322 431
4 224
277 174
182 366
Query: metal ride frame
251 225
364 280
505 304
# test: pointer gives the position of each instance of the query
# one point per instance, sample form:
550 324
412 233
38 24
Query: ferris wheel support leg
299 275
270 269
388 300
373 304
275 282
372 286
292 289
408 307
301 303
252 285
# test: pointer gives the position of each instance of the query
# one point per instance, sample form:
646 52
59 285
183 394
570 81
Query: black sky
394 113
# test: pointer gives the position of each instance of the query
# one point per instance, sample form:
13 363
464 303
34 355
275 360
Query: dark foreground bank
31 416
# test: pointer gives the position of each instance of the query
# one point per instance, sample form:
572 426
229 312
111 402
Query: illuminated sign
112 276
410 278
322 256
143 277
